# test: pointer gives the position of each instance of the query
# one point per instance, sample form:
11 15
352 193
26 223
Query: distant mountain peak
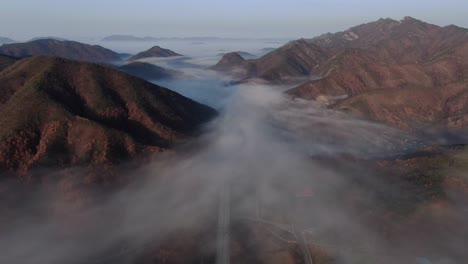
155 51
371 33
48 38
412 20
387 19
229 61
408 18
232 57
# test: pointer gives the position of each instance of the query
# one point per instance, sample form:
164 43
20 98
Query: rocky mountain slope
408 73
412 75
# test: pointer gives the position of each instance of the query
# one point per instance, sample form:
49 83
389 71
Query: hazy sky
22 19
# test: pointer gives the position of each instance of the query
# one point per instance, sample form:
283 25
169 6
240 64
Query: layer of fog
192 48
263 145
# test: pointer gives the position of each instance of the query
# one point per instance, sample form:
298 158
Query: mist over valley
347 147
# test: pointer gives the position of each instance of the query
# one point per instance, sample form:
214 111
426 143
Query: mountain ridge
5 40
71 113
65 49
310 57
429 60
155 51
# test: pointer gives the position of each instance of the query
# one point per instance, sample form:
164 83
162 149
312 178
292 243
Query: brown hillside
65 49
58 112
416 76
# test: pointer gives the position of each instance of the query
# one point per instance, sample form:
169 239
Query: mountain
229 61
127 38
149 39
359 36
4 40
65 49
410 74
155 51
56 112
295 59
389 41
149 71
48 37
243 54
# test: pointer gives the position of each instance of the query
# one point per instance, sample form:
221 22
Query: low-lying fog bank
192 48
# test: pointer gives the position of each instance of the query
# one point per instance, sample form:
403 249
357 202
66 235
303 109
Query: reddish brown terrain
156 52
60 113
405 73
433 193
295 59
408 73
359 36
382 42
65 49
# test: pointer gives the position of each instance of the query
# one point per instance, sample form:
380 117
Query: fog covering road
223 236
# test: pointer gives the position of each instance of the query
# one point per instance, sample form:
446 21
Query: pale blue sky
22 19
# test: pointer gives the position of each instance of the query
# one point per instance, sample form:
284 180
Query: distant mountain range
78 51
243 54
128 38
4 40
131 38
407 73
65 49
60 113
